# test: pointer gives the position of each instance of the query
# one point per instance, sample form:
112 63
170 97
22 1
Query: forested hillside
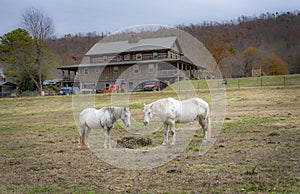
270 42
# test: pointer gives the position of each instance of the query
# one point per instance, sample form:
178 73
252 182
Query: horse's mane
115 111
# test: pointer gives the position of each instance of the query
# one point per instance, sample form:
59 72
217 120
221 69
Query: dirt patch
132 142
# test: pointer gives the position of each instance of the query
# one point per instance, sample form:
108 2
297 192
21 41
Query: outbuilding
7 89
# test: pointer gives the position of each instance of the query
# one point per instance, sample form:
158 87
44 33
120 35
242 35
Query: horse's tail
209 132
81 130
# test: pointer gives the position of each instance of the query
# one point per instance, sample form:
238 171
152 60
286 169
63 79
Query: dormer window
155 55
119 58
138 56
127 57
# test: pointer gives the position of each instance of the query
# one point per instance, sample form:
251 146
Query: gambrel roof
150 44
135 46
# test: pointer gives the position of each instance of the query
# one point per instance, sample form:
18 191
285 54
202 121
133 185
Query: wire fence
264 81
283 81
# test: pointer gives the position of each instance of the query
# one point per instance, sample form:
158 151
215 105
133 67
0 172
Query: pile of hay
134 142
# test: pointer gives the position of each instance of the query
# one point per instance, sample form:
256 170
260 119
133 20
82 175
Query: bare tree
40 27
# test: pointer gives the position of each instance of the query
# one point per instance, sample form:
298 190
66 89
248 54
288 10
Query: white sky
82 16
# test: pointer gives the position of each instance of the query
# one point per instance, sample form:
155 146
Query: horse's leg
81 136
208 127
108 136
105 134
172 128
87 133
202 122
165 134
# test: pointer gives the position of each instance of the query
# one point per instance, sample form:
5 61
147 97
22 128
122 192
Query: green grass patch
42 189
245 123
204 166
252 187
195 149
12 128
158 133
274 134
49 141
136 106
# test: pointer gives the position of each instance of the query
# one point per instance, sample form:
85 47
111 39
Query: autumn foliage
273 65
243 44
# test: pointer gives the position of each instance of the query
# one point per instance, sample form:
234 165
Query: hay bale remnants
132 142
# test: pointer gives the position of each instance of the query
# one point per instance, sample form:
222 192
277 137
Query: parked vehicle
154 85
51 82
66 91
117 86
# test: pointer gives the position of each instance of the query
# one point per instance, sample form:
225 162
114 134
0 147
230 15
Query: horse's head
147 113
125 116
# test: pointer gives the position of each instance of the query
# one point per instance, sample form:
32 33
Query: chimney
133 39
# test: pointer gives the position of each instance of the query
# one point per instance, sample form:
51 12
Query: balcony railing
69 78
171 73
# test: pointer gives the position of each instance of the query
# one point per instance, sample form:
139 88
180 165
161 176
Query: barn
134 60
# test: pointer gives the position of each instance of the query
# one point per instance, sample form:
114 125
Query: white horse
91 118
172 111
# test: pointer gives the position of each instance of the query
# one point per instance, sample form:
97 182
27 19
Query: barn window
86 71
155 55
104 58
136 69
119 58
97 69
116 69
127 57
150 68
139 56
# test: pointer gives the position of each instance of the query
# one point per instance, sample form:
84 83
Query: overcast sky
82 16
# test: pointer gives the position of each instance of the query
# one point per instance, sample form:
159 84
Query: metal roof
101 48
7 84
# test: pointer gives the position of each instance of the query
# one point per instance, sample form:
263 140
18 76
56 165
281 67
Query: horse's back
191 109
88 117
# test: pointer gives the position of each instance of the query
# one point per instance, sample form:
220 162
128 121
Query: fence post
261 82
238 84
283 81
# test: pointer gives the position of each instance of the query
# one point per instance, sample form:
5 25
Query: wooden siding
107 74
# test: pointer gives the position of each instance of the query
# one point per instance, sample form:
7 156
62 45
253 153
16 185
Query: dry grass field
258 150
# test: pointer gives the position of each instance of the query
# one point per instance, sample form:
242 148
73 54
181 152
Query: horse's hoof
172 144
164 144
81 146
